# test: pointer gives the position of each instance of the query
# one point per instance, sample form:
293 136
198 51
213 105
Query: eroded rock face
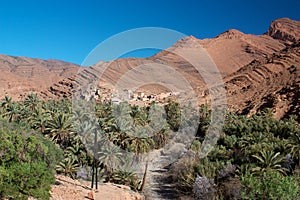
272 83
20 75
285 29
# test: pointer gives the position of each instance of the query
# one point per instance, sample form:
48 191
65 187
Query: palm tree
85 130
295 146
77 150
68 167
269 161
60 129
161 138
31 102
157 120
173 115
122 118
39 119
12 112
6 103
139 116
253 143
128 178
90 134
116 130
103 110
111 157
204 121
139 141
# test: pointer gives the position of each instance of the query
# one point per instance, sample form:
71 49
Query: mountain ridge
247 62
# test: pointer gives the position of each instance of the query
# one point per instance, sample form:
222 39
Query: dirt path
159 181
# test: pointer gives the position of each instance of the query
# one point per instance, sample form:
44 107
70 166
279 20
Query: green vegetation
256 157
270 185
27 162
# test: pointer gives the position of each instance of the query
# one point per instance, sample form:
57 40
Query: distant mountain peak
230 34
285 29
189 41
192 37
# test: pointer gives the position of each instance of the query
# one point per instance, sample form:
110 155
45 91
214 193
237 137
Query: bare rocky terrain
67 188
21 76
273 82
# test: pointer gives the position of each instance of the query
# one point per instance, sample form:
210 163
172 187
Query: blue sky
69 30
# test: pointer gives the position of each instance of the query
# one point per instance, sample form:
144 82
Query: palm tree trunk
144 177
93 171
96 158
96 177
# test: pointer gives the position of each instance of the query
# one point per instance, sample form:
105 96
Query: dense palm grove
256 157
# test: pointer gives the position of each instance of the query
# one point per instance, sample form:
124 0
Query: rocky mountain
21 76
233 49
259 71
285 30
272 82
230 51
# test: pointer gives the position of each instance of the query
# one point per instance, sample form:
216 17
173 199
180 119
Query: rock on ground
67 188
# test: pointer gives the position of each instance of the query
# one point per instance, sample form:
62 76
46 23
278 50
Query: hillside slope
259 71
230 51
20 75
273 82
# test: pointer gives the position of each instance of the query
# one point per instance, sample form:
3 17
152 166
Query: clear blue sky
69 30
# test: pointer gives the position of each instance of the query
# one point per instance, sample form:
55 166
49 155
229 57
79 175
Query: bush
126 178
204 188
173 112
26 163
230 188
270 185
184 174
27 179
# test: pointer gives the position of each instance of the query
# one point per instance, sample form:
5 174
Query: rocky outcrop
61 89
66 188
273 83
285 29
